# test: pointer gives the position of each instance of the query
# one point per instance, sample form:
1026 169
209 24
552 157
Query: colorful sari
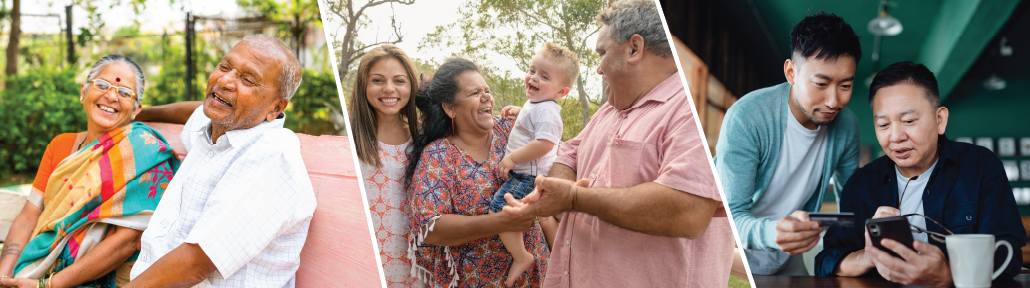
116 180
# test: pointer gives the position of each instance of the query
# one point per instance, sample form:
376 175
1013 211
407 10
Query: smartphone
843 219
894 228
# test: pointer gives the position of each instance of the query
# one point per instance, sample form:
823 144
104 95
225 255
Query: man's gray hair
628 17
290 76
140 82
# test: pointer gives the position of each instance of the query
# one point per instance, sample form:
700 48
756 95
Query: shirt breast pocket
960 218
191 206
625 163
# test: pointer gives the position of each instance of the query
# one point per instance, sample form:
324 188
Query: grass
737 282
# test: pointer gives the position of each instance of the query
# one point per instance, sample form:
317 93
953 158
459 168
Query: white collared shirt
247 201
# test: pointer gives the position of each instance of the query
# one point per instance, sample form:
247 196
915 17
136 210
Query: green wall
974 111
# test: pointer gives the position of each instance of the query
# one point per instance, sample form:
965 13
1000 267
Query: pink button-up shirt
655 140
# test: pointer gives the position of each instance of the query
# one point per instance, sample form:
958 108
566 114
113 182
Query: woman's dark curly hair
431 95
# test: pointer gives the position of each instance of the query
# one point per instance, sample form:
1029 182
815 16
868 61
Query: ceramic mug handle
1007 258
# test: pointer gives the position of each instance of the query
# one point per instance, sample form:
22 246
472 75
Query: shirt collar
663 92
203 125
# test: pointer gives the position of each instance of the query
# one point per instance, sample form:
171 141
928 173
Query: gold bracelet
50 279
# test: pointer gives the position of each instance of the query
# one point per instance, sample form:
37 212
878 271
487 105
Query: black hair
907 72
826 33
431 95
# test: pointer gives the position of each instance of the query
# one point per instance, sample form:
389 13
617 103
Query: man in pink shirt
651 214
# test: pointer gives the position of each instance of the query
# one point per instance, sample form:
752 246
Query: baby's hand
510 111
506 165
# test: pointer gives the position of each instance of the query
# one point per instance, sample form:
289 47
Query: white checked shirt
246 201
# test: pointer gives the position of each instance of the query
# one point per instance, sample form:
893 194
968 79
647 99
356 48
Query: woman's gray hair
290 76
628 17
140 82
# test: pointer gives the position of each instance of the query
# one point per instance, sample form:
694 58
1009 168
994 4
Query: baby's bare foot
519 264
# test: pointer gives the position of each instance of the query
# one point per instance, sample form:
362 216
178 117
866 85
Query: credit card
846 219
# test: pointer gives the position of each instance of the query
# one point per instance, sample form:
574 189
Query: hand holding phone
894 228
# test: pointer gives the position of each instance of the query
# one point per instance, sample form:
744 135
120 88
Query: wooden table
819 281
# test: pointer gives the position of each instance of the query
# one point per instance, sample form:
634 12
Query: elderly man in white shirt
237 212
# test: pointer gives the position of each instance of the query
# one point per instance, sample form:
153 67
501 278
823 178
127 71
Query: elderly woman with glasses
94 192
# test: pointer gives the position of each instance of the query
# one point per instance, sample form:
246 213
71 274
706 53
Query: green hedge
35 107
307 114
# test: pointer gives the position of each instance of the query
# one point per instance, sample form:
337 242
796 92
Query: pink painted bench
338 251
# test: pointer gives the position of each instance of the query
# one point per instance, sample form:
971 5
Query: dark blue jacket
968 192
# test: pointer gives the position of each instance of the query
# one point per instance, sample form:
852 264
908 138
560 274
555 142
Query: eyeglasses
939 237
104 86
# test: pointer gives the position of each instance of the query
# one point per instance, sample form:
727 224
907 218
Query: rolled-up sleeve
686 167
567 151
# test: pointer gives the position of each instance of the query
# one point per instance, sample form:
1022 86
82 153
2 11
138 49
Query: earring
452 126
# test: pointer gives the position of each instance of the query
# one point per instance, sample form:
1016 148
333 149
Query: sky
421 18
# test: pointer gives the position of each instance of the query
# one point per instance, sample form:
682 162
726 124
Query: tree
352 20
294 16
515 28
12 44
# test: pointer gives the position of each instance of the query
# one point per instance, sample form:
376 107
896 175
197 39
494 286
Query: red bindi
117 79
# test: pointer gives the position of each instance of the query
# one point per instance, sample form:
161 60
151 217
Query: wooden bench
338 251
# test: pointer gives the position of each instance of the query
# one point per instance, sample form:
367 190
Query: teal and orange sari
116 180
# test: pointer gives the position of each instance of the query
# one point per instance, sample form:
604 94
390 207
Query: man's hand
928 267
19 282
881 212
505 165
515 222
796 234
510 111
551 197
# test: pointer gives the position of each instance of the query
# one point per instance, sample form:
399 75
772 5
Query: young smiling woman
382 124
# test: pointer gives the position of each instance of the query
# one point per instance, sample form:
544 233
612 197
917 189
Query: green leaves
307 112
39 105
515 29
169 86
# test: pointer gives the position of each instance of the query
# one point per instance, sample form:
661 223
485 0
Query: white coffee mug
972 257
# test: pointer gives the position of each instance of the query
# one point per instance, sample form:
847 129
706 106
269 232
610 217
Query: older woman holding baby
458 152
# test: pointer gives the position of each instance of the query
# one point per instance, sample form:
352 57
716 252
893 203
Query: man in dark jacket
960 186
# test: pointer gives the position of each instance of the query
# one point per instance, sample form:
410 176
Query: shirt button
566 272
143 257
592 176
969 218
566 242
209 153
164 224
